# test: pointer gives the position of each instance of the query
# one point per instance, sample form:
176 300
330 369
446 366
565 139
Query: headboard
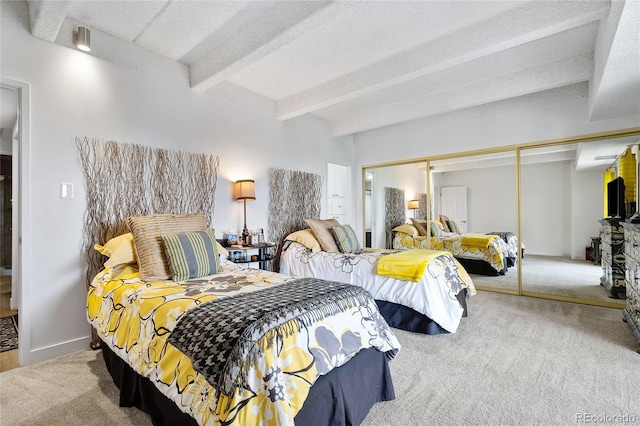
395 212
293 197
124 180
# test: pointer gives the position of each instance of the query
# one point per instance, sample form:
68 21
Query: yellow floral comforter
135 319
493 252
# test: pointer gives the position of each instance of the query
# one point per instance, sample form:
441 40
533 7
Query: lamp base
245 236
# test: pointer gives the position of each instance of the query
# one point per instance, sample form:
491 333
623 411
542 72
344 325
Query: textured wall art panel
293 197
124 180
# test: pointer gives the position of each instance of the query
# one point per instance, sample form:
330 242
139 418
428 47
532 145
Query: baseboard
54 351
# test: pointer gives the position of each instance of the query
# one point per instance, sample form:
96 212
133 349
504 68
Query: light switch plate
66 190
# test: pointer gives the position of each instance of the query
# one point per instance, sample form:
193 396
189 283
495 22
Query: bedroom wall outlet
66 190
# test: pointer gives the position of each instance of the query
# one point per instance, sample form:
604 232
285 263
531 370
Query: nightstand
262 255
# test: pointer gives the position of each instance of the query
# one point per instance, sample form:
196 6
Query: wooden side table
595 249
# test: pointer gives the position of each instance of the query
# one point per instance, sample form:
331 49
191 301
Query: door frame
21 235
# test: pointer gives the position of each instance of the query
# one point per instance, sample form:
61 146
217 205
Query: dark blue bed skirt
342 397
405 318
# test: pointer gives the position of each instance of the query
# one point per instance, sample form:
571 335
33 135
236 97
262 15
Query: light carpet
553 275
513 361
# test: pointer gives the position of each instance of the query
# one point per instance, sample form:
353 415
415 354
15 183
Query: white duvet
434 295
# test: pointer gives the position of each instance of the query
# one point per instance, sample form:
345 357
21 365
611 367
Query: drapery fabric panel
124 180
293 197
395 212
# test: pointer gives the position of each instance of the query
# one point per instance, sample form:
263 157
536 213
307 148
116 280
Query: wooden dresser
631 312
613 264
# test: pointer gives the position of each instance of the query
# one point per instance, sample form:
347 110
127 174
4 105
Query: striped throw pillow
346 239
435 230
192 254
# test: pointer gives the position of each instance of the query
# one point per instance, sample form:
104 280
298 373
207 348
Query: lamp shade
244 190
413 204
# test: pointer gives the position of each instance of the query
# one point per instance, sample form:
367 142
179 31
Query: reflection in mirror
478 196
562 203
369 217
406 179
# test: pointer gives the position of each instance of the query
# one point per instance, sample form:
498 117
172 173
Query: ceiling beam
258 36
509 29
46 18
519 83
615 88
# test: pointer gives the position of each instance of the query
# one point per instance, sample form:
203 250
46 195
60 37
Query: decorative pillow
407 229
322 230
346 239
436 230
147 238
453 227
221 250
421 226
119 250
192 254
443 220
306 238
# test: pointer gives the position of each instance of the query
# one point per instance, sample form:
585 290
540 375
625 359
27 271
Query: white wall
491 197
587 194
546 208
74 94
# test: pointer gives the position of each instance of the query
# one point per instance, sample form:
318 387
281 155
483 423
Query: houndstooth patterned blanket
223 337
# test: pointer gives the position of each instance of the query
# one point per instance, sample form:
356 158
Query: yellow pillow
407 229
306 238
119 250
222 250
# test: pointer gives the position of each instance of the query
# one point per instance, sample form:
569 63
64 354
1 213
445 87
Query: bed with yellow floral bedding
489 249
136 321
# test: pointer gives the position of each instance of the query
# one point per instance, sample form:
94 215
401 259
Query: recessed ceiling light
605 157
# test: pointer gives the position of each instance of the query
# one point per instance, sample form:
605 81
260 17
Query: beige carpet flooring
558 276
514 361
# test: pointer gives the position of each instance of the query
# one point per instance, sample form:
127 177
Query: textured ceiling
362 65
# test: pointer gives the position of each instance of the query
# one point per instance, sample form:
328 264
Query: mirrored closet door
548 196
562 204
382 213
488 185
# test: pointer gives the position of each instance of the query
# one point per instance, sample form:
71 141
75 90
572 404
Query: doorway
14 138
9 126
369 211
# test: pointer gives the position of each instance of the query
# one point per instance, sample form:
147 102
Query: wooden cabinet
613 259
631 312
